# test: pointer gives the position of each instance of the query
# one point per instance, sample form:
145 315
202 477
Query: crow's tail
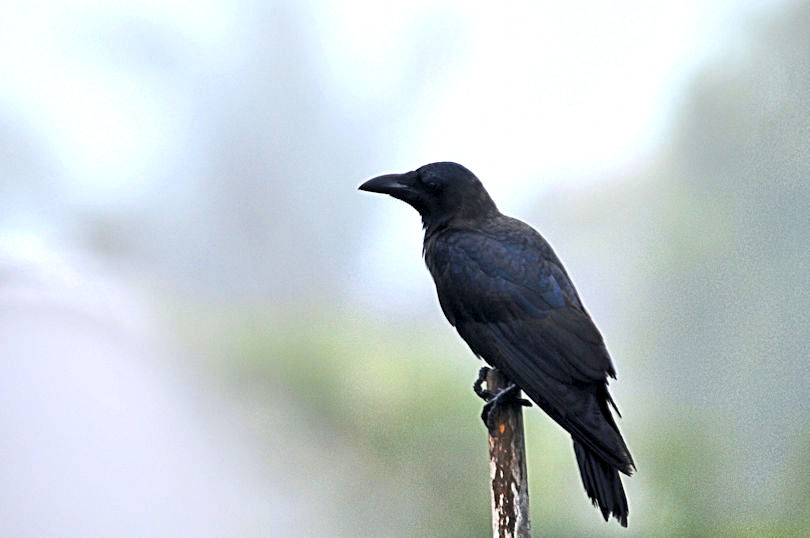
602 483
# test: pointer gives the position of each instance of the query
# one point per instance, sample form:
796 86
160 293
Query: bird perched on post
508 296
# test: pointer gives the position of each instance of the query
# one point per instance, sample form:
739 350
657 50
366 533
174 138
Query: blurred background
206 330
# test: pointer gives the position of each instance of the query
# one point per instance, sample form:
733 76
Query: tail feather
602 484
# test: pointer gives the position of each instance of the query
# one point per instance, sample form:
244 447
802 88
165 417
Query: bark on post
507 468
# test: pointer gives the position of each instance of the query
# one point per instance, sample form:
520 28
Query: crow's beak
393 184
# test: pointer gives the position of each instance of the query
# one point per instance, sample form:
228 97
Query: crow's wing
526 297
514 305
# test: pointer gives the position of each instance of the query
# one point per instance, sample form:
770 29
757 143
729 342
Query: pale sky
525 94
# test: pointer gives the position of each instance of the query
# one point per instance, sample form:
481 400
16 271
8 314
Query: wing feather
517 309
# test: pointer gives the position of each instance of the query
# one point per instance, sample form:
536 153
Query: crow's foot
484 394
505 396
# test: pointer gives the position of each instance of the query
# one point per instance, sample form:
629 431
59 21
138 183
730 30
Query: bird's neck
432 226
475 209
459 221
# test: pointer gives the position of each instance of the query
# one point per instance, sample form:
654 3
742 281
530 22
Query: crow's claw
484 394
504 396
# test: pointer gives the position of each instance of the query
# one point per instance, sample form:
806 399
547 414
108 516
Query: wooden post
507 468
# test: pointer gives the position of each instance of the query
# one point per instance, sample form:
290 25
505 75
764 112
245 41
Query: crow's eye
431 186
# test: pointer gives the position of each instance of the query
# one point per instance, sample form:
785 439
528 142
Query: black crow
508 296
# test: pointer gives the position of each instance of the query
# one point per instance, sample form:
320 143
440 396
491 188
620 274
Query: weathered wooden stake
507 468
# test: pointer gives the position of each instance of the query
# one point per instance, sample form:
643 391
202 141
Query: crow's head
438 191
